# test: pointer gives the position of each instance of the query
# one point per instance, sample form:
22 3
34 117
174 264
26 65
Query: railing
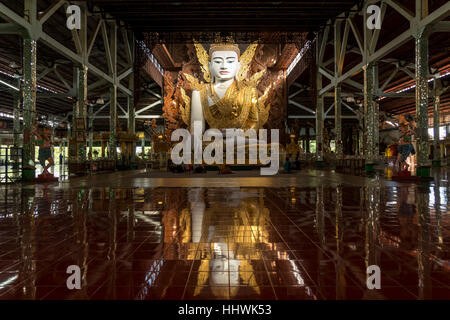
10 164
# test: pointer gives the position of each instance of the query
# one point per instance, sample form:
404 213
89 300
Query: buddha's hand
186 109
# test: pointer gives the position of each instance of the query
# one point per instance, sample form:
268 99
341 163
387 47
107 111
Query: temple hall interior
224 150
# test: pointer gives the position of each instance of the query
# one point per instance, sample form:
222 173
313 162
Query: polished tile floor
310 235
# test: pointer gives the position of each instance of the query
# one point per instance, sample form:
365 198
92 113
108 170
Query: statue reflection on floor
228 238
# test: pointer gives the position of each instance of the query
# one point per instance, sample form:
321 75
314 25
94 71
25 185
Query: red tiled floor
288 242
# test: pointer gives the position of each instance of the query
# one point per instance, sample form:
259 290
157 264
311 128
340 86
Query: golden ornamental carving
194 82
245 60
203 58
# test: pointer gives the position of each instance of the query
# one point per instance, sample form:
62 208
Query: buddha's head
223 266
224 61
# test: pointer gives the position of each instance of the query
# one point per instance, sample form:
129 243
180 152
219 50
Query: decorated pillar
436 123
370 117
337 89
319 130
338 121
376 121
421 49
113 123
113 96
29 107
81 113
77 153
361 142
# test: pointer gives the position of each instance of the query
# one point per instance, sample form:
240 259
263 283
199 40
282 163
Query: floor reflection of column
80 207
320 226
372 225
437 210
112 242
131 217
424 242
27 272
372 238
197 204
340 264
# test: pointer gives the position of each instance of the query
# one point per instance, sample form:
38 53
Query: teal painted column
29 107
421 51
370 117
80 113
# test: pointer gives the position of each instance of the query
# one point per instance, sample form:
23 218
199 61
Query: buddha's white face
224 65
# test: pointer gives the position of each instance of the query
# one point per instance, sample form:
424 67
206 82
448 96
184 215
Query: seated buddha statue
228 100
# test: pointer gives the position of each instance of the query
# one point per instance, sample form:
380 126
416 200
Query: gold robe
237 109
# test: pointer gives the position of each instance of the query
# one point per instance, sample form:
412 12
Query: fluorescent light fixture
300 55
150 56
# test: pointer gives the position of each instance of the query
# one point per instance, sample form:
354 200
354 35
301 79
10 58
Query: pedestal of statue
45 177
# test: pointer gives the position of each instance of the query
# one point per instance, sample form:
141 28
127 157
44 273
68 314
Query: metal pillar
143 147
337 90
52 146
29 107
338 121
319 129
370 117
113 123
421 46
436 123
132 120
113 95
91 132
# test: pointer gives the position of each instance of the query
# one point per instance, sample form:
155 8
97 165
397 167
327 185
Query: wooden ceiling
224 16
